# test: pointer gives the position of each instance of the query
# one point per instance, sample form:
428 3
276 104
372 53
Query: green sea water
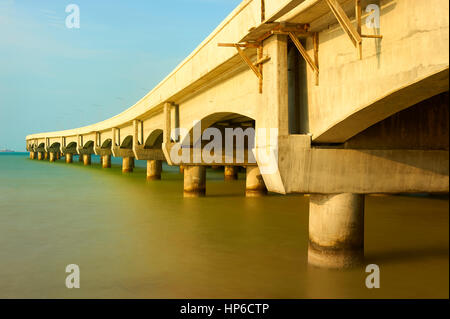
134 238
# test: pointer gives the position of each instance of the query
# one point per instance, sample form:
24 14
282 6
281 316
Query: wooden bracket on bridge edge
313 63
345 23
257 36
294 31
256 67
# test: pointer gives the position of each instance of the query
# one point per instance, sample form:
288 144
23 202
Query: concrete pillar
69 158
87 159
194 181
132 162
58 155
80 158
231 173
31 155
336 230
154 168
45 155
181 169
40 156
254 183
52 156
106 161
127 166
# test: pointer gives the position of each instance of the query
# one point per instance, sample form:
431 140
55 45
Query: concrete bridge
358 109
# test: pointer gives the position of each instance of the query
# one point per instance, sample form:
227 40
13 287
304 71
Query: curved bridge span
357 95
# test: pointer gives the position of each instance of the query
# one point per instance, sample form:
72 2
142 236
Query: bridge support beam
40 156
127 164
69 158
154 168
86 159
52 156
254 184
45 155
106 161
194 181
80 158
58 155
231 173
336 230
32 155
181 169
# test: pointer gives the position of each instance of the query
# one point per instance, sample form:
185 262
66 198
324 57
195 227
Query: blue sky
55 78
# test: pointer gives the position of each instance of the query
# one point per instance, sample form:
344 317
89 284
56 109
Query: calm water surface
138 239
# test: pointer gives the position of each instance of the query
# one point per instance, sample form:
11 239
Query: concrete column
69 158
80 158
106 161
58 155
194 181
31 155
254 183
52 156
87 159
40 156
45 155
181 169
127 166
336 230
132 162
231 173
154 168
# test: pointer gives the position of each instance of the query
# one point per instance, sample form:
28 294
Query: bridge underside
407 152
